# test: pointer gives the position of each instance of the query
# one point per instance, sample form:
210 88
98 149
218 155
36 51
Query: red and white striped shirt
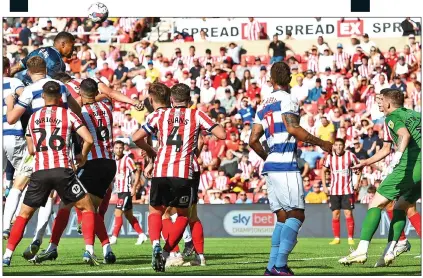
206 179
341 60
341 173
118 117
50 129
178 129
386 134
127 23
253 30
313 63
222 183
125 167
246 168
129 126
206 157
204 60
189 61
365 70
98 118
195 165
410 58
74 86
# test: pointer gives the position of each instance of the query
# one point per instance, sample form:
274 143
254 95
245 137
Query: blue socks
288 239
275 244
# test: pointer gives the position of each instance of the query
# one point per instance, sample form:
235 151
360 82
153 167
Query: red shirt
229 131
132 93
108 73
251 93
232 145
169 82
356 59
215 146
217 81
392 60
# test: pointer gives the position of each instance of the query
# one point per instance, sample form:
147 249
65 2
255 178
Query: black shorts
171 192
97 175
338 202
63 180
124 201
195 184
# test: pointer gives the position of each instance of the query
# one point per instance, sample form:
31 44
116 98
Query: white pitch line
252 262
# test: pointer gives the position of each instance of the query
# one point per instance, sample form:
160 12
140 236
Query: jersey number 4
51 140
174 139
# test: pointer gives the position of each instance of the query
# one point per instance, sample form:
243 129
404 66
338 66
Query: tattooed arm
292 123
403 139
254 143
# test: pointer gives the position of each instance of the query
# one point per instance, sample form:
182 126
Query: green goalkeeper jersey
410 119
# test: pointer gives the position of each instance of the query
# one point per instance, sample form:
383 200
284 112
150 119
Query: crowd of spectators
336 90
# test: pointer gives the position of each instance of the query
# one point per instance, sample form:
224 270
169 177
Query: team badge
391 124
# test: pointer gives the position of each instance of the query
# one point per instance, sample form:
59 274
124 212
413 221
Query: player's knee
20 183
347 213
26 211
379 201
85 204
401 204
336 214
411 211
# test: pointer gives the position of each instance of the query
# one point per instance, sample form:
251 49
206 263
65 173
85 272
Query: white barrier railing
94 36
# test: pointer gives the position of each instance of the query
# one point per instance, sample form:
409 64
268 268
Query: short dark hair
160 93
395 96
62 77
181 92
36 64
280 73
51 89
64 36
89 87
193 47
6 64
340 140
118 142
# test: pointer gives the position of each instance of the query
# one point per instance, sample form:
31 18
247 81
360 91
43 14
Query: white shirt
207 95
367 46
300 93
325 61
234 53
310 83
139 82
220 92
379 87
325 78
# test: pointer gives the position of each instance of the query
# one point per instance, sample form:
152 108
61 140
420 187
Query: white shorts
285 191
27 165
14 148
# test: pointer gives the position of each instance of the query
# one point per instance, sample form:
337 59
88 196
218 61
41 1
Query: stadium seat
113 199
232 196
304 66
265 59
250 59
359 107
257 196
298 58
311 108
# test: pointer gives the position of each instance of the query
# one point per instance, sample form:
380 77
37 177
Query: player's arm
323 176
254 142
74 106
306 170
14 113
115 95
357 185
85 134
137 176
139 139
29 142
292 123
200 145
381 154
16 68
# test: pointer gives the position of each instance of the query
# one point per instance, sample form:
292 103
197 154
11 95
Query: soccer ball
98 12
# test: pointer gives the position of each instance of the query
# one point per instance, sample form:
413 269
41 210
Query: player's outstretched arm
219 132
381 154
254 142
292 123
200 145
115 95
74 106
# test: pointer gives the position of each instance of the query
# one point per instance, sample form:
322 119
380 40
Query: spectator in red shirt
131 90
169 81
233 142
217 147
253 90
75 63
107 72
392 57
229 128
356 58
329 90
220 74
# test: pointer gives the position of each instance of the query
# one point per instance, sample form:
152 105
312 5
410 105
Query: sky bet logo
255 219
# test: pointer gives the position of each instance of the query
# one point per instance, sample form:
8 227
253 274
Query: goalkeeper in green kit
403 181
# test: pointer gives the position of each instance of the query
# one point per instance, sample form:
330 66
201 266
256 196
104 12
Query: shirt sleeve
28 130
30 55
150 125
75 121
26 98
395 123
205 121
327 161
131 165
290 107
16 84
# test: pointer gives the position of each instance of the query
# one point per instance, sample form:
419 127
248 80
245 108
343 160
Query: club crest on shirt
391 124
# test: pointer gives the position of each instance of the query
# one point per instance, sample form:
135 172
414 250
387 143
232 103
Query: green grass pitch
225 256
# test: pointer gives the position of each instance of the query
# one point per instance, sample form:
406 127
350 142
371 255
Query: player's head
280 75
180 93
51 93
62 77
88 89
391 100
159 95
64 43
36 66
118 148
339 146
6 66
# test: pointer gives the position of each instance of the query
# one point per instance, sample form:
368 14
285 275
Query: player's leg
135 225
335 206
44 215
194 222
79 220
415 219
292 202
36 196
197 232
118 218
403 245
175 258
105 203
348 207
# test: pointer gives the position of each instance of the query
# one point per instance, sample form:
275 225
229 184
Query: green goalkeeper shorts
405 181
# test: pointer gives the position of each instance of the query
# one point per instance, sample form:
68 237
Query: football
98 12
